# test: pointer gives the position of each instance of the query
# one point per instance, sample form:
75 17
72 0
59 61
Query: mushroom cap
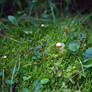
66 28
42 25
5 57
60 45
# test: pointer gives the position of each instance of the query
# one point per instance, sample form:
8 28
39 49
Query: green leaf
88 63
26 78
37 85
13 20
88 53
90 39
44 81
1 73
88 66
28 32
10 82
24 90
74 46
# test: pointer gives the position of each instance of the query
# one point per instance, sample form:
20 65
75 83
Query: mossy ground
34 57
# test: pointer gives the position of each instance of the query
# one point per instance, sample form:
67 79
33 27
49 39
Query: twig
13 39
9 38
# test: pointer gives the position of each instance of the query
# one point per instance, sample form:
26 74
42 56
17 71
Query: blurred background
44 8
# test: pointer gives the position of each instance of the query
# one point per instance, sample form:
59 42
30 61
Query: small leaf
44 81
26 78
88 66
24 90
88 63
74 46
13 20
1 73
88 53
34 57
10 82
37 85
28 32
90 39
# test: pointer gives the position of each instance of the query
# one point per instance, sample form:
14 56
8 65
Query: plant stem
3 81
81 65
12 77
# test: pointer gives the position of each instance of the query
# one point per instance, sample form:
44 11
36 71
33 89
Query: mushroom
5 57
60 46
42 25
66 28
85 45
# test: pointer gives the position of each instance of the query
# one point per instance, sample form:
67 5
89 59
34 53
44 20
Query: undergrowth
30 61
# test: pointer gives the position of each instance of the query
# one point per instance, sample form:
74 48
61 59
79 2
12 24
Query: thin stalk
81 65
12 77
18 68
3 81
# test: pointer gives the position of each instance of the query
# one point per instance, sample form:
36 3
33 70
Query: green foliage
37 85
9 82
44 81
13 20
88 53
88 63
25 90
33 62
26 78
90 39
74 46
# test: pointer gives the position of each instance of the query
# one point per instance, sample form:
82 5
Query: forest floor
31 62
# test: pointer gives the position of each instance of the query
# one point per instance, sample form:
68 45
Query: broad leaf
74 46
88 53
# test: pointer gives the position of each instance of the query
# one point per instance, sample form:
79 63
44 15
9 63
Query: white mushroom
60 46
42 25
4 57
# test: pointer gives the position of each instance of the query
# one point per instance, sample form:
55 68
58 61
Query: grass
33 57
